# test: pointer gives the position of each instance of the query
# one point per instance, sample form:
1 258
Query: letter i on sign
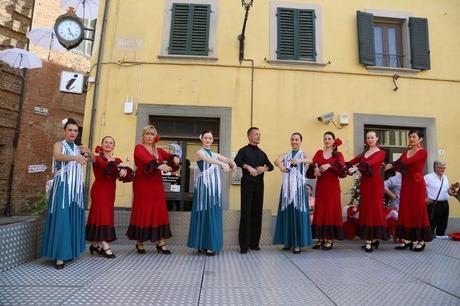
70 84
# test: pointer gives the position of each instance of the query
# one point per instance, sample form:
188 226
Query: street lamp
247 5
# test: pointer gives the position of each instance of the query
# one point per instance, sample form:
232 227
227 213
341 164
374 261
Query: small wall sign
36 168
40 111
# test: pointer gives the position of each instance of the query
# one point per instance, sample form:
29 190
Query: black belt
438 202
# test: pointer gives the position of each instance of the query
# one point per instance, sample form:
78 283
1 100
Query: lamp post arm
243 31
241 36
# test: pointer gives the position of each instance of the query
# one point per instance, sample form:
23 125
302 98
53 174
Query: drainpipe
252 88
96 91
17 131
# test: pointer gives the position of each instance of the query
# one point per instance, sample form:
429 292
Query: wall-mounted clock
69 30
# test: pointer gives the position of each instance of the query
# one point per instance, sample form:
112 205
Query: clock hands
70 32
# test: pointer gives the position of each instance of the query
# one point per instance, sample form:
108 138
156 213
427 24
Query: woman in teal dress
293 228
205 231
64 231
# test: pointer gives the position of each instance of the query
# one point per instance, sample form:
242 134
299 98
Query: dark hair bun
70 121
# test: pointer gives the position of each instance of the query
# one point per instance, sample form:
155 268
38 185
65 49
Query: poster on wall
171 180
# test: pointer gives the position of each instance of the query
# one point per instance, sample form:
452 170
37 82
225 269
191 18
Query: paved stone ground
343 276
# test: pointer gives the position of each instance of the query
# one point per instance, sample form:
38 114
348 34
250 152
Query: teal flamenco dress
206 219
64 231
293 227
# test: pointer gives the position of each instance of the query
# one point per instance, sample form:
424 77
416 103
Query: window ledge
187 57
391 69
297 63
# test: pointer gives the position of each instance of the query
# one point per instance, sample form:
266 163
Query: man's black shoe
255 248
243 251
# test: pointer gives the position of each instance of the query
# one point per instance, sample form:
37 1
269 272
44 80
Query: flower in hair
337 142
64 121
157 138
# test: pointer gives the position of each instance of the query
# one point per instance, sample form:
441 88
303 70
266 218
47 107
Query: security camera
326 117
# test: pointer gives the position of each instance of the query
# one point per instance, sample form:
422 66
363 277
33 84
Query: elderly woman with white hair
437 190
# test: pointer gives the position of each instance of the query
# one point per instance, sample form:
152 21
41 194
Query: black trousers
440 218
252 198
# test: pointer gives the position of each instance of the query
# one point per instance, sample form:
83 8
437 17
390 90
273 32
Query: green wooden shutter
287 43
199 35
189 29
366 43
296 34
179 32
307 42
419 43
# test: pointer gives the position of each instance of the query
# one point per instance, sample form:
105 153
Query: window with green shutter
296 34
380 41
189 29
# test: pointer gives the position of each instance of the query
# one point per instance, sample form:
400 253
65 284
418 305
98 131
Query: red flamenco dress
413 222
327 216
149 215
372 222
100 225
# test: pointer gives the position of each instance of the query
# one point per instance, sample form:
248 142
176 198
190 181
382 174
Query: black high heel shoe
140 248
296 250
318 245
93 249
160 248
419 249
208 253
405 246
107 255
368 247
374 244
59 266
327 245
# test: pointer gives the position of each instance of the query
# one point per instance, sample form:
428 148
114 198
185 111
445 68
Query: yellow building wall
286 98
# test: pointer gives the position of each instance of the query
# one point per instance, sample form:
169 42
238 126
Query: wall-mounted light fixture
247 4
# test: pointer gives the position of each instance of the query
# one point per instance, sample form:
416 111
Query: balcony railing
389 60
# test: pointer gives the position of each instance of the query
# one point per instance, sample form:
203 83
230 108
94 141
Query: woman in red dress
100 228
371 222
149 214
413 223
329 165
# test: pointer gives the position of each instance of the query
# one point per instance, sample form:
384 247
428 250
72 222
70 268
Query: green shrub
40 206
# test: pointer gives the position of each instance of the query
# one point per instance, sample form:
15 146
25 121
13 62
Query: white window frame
274 32
405 35
212 39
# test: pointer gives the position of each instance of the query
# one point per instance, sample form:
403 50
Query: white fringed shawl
293 190
208 184
71 178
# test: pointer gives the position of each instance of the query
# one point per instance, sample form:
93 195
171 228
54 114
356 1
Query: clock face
69 30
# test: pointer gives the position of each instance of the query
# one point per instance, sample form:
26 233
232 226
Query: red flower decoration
418 177
157 138
351 211
98 149
337 142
